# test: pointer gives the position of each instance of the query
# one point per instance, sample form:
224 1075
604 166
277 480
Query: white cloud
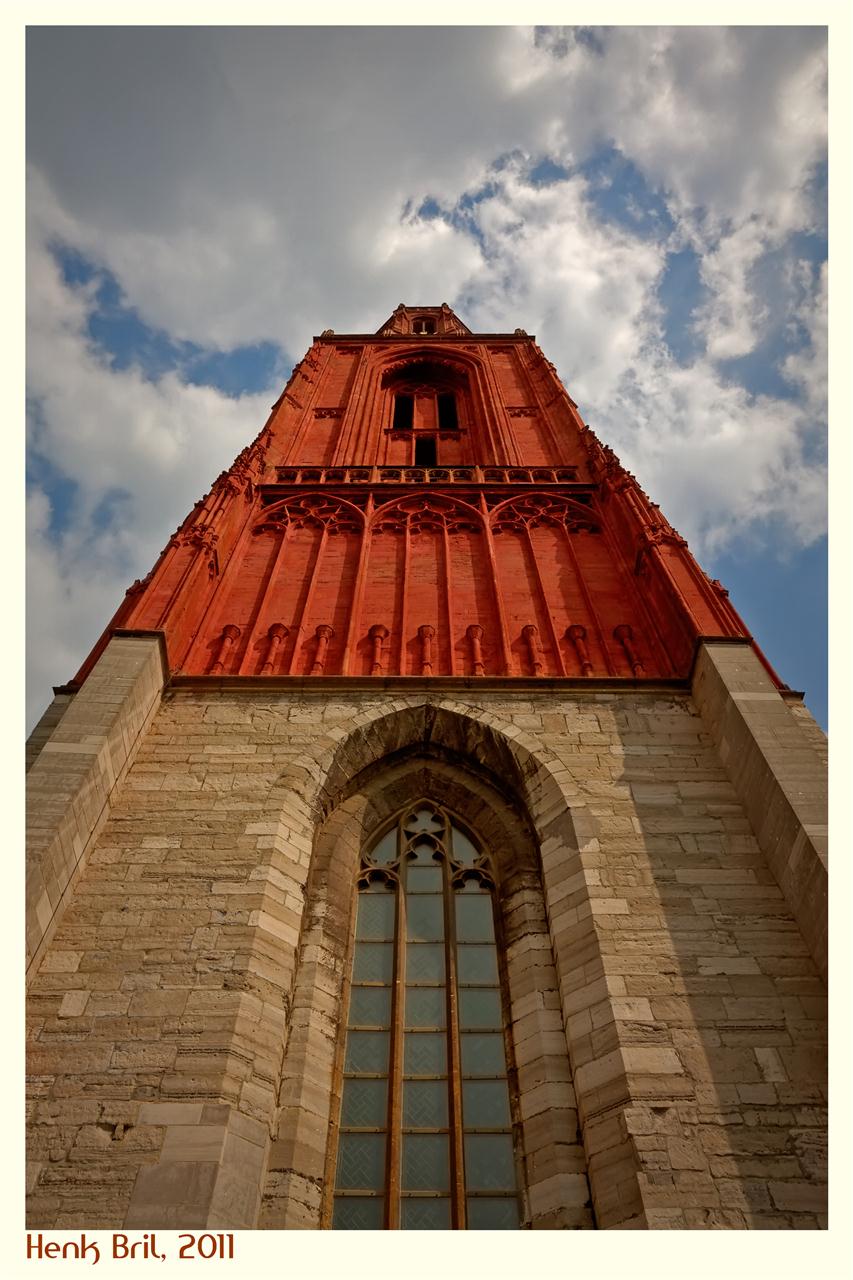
734 315
720 462
585 287
158 445
808 367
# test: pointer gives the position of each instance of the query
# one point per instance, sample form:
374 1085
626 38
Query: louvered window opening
425 1138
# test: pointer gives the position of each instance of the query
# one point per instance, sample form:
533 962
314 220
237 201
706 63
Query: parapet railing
426 475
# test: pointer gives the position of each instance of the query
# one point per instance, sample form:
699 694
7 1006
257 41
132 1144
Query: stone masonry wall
693 1013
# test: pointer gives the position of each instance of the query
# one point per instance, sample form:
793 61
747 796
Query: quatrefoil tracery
426 838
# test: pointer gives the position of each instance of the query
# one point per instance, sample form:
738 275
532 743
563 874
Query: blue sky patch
559 41
110 510
60 490
620 194
430 209
777 279
591 38
681 292
240 371
768 591
546 173
758 372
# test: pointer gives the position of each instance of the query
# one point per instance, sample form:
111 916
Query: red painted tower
427 502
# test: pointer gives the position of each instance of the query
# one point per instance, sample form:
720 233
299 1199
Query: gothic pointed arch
505 787
318 1064
427 371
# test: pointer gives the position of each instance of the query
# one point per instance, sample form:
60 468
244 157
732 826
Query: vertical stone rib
592 613
358 589
448 597
500 611
309 598
404 620
543 598
265 595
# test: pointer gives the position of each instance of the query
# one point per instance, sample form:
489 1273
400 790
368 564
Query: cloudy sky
651 203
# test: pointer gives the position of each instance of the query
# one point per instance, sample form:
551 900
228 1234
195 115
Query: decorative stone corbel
425 634
324 634
625 636
534 649
377 634
475 636
577 635
277 634
230 634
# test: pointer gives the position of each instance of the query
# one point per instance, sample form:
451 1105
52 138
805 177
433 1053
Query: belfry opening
426 843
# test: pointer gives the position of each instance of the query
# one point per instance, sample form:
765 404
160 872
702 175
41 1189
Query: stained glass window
425 1137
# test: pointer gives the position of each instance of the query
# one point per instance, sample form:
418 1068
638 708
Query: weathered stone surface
79 752
779 774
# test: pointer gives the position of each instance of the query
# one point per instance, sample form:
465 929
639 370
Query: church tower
426 843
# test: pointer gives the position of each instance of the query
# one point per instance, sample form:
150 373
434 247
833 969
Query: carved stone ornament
230 635
324 633
313 509
378 633
534 649
426 515
625 635
475 638
426 635
540 508
577 635
200 536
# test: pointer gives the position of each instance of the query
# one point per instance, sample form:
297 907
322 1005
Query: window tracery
426 1135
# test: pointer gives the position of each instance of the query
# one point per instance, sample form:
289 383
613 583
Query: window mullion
457 1165
395 1069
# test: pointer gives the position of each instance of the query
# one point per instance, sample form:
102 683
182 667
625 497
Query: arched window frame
299 1183
471 1095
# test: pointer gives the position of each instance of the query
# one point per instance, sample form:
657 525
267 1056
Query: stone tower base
662 895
